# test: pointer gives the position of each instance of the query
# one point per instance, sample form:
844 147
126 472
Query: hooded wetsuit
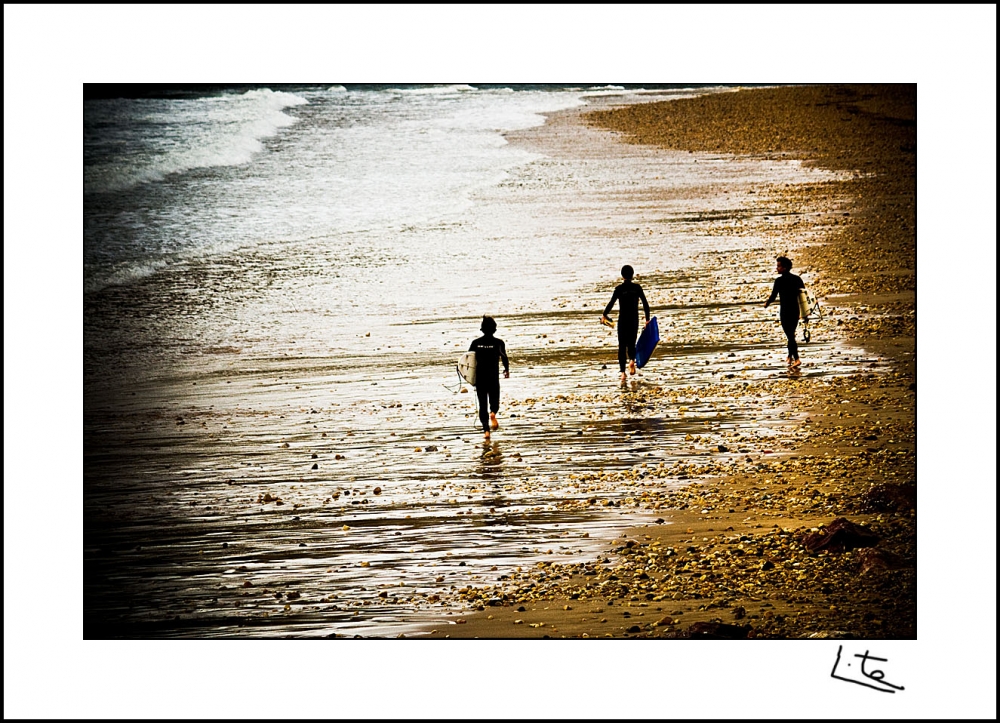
490 351
628 295
787 287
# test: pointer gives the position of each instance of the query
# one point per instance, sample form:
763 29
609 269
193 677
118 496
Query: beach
275 444
815 538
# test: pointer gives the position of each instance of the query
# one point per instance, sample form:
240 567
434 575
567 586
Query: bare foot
494 424
631 367
796 363
623 377
788 361
486 435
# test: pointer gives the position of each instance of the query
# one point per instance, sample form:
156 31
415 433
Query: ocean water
325 211
277 284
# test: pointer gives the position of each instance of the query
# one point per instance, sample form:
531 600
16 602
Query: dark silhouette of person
787 287
628 295
490 351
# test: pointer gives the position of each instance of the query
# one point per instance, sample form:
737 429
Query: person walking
628 295
490 352
787 287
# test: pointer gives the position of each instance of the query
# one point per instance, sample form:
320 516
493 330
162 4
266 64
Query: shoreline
262 461
731 558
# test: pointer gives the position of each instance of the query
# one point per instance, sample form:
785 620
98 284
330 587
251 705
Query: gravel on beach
813 540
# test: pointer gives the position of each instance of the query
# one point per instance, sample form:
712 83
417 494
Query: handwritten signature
875 678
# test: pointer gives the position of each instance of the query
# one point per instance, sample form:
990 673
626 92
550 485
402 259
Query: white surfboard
803 304
467 367
808 304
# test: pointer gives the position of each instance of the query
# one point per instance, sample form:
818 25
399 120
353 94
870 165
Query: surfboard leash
460 382
475 397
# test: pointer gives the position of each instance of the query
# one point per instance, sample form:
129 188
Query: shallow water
405 498
290 462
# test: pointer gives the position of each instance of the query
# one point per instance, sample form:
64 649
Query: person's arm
774 294
645 304
611 304
503 358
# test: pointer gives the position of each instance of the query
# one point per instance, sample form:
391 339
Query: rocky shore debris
839 536
764 533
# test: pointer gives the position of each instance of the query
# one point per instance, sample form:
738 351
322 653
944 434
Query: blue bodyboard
647 342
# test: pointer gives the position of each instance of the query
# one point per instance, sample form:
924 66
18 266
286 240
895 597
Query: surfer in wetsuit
490 351
787 286
628 295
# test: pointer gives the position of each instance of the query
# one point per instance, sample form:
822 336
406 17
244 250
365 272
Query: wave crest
188 137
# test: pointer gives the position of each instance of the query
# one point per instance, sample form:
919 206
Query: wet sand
746 554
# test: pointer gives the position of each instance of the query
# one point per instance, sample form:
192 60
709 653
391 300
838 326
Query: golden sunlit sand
744 555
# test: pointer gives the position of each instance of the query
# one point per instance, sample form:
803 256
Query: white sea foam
434 89
123 273
366 164
182 135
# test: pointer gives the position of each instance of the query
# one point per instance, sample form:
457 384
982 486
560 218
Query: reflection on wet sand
291 508
318 482
491 462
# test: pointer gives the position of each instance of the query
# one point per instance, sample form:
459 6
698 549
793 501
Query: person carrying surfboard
787 286
490 351
628 295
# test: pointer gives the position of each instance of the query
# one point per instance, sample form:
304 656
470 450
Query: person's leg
494 406
484 417
626 346
789 324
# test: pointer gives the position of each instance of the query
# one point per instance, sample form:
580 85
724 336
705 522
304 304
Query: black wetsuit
787 287
490 351
628 296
